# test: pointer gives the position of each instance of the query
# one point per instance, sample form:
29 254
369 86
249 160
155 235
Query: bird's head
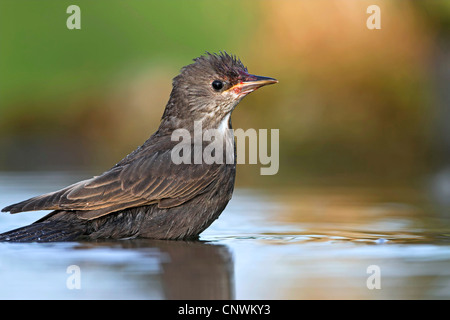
210 88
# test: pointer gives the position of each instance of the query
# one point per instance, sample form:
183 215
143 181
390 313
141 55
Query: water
303 243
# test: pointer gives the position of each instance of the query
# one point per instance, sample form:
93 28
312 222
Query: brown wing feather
151 178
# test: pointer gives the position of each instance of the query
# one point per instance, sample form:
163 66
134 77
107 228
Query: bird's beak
251 83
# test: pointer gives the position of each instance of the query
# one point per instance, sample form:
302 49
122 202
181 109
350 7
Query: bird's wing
148 179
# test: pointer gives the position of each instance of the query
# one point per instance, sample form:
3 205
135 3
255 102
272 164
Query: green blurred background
352 104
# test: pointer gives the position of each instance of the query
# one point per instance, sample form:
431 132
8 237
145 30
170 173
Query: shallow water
303 243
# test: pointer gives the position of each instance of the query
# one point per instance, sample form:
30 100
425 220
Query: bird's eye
217 85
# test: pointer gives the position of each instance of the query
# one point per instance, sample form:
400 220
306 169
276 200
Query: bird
147 194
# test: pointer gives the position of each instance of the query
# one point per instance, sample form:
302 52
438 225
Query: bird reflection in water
185 269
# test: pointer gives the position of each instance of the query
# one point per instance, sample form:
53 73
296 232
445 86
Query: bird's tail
46 231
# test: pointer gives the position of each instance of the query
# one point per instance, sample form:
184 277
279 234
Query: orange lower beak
251 83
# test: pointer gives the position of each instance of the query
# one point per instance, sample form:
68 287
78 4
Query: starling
147 194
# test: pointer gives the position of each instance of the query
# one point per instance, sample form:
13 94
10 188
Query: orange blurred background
352 104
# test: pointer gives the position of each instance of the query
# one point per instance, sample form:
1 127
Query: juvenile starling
146 194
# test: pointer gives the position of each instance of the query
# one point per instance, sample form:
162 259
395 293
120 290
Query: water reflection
132 269
302 243
185 269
